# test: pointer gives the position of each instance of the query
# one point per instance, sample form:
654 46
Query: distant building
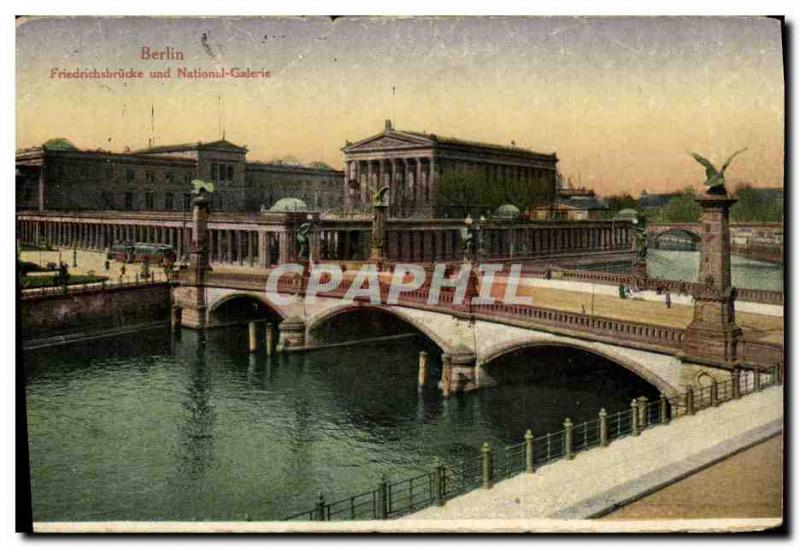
655 201
59 176
574 204
411 163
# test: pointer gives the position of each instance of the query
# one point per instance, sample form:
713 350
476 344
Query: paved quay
748 484
602 479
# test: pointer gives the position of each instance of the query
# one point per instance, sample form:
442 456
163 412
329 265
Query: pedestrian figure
668 300
108 265
622 292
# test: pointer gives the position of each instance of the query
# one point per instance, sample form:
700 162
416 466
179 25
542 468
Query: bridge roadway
472 336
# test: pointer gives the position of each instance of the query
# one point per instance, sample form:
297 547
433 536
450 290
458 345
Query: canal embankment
101 311
598 481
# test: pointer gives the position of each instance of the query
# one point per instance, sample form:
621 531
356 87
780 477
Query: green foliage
319 165
756 205
27 266
619 202
50 281
681 209
469 192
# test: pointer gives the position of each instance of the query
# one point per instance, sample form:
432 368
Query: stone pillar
198 258
263 249
283 247
239 247
713 337
366 184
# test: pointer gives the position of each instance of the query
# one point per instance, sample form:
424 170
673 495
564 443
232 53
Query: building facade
571 204
59 176
411 164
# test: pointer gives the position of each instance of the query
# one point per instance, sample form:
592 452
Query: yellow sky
621 100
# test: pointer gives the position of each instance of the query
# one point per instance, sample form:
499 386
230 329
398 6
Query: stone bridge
656 230
470 337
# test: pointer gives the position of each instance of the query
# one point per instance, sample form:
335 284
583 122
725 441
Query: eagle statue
198 186
715 179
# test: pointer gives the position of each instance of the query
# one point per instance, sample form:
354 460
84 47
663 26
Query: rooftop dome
626 214
59 143
289 204
507 211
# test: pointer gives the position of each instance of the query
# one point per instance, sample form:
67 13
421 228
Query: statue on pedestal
302 238
713 337
380 205
715 179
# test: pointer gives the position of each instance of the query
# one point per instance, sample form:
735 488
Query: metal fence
445 481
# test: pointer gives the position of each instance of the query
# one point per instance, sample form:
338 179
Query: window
109 171
84 169
108 199
230 173
168 177
129 200
27 194
187 179
129 175
148 200
151 176
169 201
187 201
213 172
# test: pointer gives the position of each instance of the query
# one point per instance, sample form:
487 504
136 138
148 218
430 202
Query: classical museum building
411 163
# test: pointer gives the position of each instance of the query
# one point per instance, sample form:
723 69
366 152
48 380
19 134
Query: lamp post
479 238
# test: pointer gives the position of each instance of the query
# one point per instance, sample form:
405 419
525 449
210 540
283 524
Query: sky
620 100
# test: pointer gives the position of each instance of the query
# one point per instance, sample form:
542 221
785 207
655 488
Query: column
263 249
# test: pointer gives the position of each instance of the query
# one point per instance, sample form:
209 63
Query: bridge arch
317 320
687 234
224 309
639 369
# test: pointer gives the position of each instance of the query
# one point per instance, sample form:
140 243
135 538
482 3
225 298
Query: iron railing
445 481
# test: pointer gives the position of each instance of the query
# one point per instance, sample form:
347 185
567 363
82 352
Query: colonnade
251 244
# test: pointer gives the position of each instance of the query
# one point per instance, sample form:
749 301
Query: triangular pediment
223 144
387 140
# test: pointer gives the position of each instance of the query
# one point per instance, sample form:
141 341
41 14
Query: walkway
601 479
748 484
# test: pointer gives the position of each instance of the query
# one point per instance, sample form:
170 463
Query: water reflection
197 430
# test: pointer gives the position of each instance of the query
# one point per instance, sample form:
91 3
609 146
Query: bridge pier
291 334
191 302
459 372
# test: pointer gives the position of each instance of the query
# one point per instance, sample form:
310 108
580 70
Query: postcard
401 274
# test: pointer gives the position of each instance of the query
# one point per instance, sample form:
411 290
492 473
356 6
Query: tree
618 202
319 165
757 205
462 192
459 193
681 209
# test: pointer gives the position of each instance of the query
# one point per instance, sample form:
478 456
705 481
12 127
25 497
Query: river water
150 427
684 265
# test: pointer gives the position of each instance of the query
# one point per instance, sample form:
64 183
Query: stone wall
44 316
